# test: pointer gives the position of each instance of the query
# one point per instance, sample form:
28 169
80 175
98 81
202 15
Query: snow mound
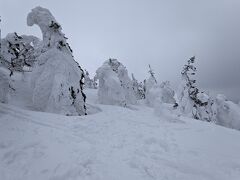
167 112
157 94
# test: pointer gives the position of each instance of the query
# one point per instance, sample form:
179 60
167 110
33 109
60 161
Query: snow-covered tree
115 86
151 88
17 52
191 100
57 79
17 55
88 82
151 81
138 88
109 90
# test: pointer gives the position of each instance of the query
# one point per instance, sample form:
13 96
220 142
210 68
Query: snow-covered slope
114 144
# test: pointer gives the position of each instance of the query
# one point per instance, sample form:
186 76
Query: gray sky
163 33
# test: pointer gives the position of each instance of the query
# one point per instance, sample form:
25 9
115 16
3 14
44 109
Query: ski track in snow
115 144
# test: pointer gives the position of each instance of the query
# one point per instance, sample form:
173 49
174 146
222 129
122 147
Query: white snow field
114 144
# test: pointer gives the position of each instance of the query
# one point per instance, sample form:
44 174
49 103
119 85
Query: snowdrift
134 144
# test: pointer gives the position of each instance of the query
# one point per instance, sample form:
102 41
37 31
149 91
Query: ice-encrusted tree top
51 29
151 72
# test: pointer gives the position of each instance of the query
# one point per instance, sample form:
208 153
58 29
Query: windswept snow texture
115 144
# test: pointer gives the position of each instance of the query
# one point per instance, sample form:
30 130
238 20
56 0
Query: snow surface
115 144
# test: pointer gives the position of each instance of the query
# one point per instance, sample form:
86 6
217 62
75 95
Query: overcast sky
163 33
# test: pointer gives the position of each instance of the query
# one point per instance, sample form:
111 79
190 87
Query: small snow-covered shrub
115 87
158 94
167 93
207 111
185 103
227 113
4 85
57 80
153 95
166 110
